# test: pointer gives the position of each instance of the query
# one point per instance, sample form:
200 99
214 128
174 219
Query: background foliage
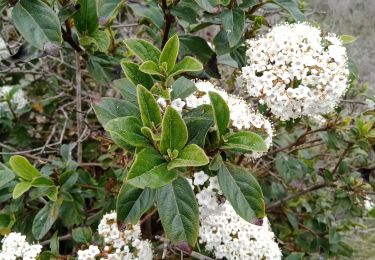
315 179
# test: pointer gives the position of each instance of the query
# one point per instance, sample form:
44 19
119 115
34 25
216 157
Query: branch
169 19
79 107
67 36
293 196
62 238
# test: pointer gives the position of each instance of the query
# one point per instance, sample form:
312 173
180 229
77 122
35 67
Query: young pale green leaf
110 108
150 110
233 21
23 168
170 52
149 169
20 189
347 39
136 76
182 88
188 64
82 235
178 211
42 181
86 19
133 202
52 193
144 50
191 155
37 23
245 141
242 191
44 220
292 7
150 67
221 112
128 130
174 134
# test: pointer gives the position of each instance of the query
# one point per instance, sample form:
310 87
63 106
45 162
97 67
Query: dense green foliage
70 155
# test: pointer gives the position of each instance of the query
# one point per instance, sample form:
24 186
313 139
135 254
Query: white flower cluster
243 117
227 235
15 247
18 99
119 244
177 104
296 71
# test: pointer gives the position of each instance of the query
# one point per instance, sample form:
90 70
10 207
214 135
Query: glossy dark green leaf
150 110
144 50
128 130
149 169
44 220
86 19
110 108
136 76
197 46
174 133
233 21
178 211
82 235
23 168
191 156
221 112
292 7
170 52
133 202
242 191
37 29
182 88
245 141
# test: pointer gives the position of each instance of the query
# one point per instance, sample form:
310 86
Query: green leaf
44 220
136 76
54 244
150 67
150 110
170 52
347 39
144 50
233 21
174 134
221 112
20 189
82 235
207 5
86 19
101 67
52 193
182 88
197 46
98 41
23 168
36 22
245 141
242 191
6 176
128 130
107 9
151 12
191 155
149 169
188 64
292 7
133 202
127 89
42 181
111 108
178 211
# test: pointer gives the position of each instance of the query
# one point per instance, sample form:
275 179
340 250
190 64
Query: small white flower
200 178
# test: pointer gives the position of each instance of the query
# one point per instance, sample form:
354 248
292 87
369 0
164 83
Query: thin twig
62 238
79 107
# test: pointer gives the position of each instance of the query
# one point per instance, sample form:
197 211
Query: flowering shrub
222 134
